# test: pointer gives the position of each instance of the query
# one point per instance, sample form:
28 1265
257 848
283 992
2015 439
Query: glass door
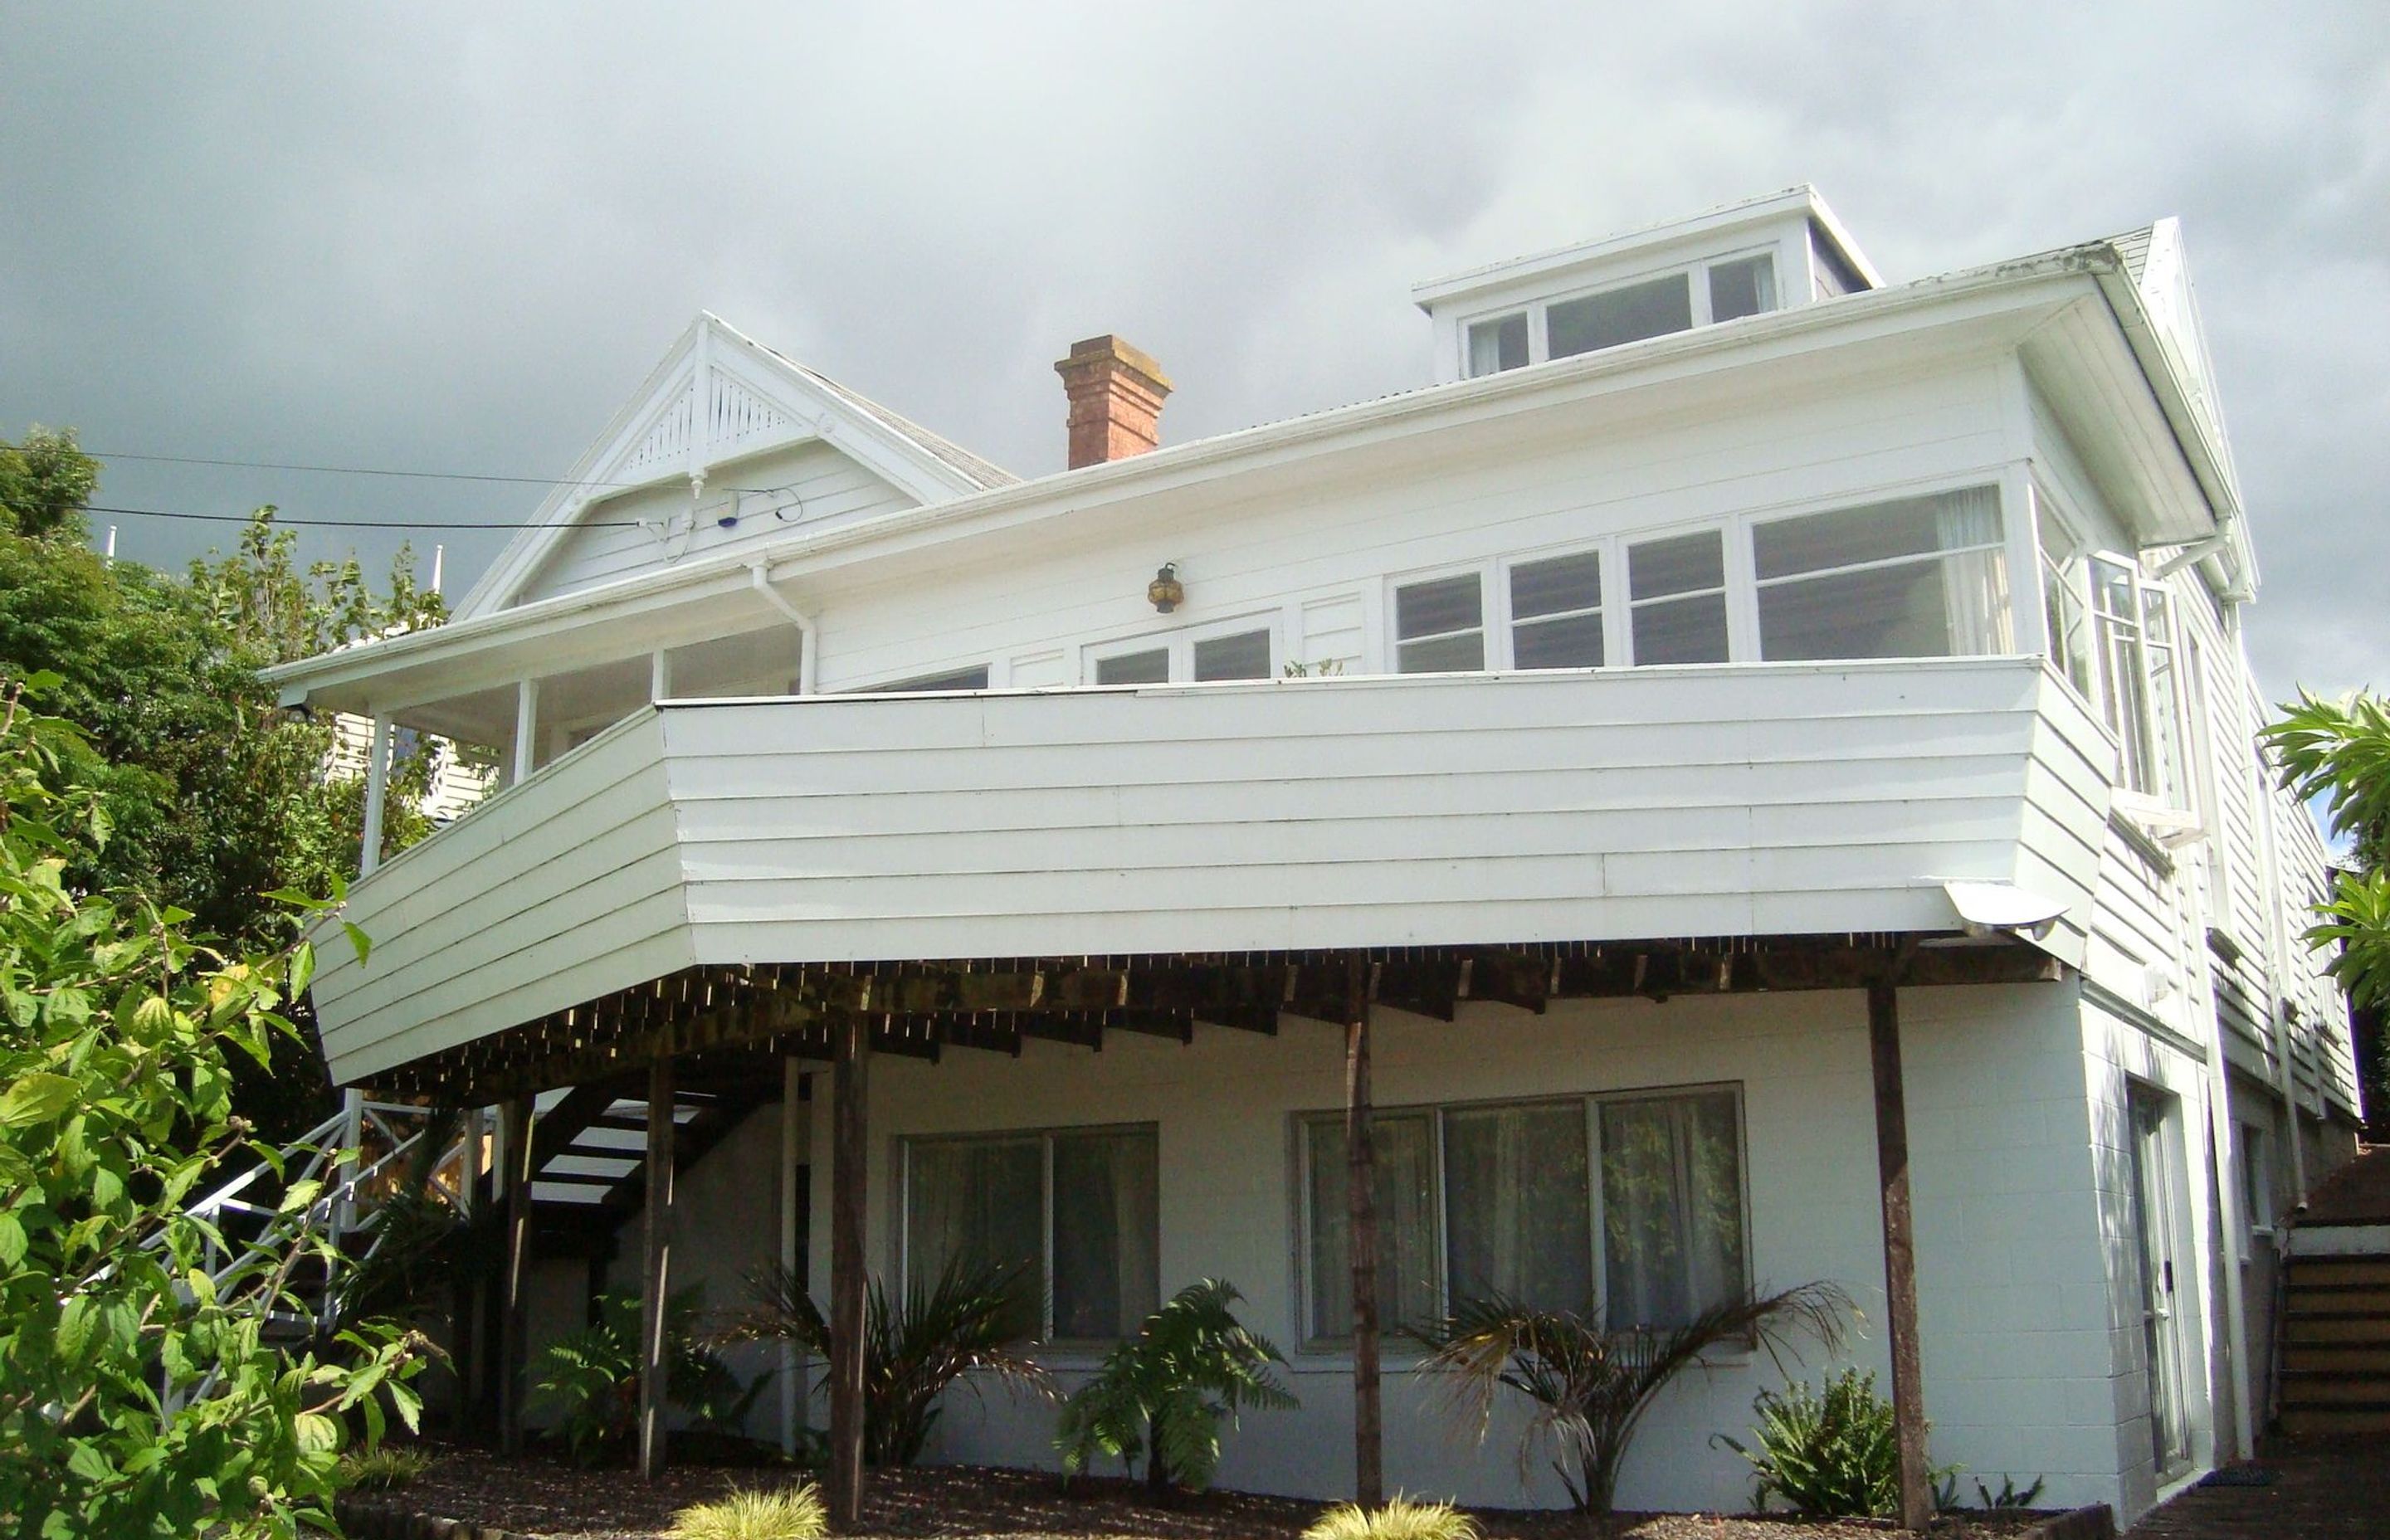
2153 1197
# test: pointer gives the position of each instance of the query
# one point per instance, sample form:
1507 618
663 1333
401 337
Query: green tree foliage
1165 1393
45 483
214 796
2339 752
139 1395
593 1376
1587 1387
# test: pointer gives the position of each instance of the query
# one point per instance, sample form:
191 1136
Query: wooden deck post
1361 1195
850 1155
514 1133
1900 1256
654 1356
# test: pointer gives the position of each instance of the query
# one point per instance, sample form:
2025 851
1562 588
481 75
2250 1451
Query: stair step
2335 1387
2327 1327
2339 1298
2340 1270
2348 1358
2336 1419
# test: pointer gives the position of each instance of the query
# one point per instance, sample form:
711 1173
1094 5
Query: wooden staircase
2336 1325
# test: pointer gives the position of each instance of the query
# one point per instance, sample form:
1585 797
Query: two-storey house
1747 778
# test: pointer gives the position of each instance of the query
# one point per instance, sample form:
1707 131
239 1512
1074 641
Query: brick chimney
1115 393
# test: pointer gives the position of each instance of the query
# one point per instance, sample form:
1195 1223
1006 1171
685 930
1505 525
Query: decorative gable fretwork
665 447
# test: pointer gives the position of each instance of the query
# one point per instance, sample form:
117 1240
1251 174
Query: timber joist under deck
919 1009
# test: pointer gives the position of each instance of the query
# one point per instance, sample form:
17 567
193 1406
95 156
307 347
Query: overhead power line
383 470
418 526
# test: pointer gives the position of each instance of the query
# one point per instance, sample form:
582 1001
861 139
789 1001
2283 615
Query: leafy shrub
791 1513
594 1375
912 1350
1831 1456
1163 1394
1589 1385
1399 1518
381 1470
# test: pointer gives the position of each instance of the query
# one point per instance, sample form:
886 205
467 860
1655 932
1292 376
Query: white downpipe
2286 1077
377 796
759 577
526 732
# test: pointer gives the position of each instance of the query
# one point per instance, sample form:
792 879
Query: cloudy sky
454 238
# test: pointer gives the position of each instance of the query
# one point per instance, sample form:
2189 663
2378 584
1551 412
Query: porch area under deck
724 886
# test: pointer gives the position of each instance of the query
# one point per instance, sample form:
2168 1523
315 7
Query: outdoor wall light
1164 590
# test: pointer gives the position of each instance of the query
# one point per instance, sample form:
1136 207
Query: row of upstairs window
1913 577
1630 1204
1655 306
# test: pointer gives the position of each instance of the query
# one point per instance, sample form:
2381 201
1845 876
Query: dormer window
1727 289
1497 344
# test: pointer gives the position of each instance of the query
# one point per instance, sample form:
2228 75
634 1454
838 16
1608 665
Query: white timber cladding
1292 814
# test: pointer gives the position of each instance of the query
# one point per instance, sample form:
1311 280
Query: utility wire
371 471
417 525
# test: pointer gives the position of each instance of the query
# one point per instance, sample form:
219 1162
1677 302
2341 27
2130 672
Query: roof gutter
2223 556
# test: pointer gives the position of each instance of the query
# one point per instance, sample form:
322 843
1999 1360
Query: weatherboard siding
1453 809
793 487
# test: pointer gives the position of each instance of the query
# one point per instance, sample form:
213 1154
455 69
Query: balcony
1285 816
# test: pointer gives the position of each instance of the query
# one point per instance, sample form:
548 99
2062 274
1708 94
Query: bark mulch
536 1495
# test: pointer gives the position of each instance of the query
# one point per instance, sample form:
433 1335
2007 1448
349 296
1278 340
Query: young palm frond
381 1470
912 1352
1163 1392
1399 1519
1590 1386
791 1513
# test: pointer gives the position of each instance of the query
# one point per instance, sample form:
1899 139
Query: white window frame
2181 817
1592 1103
1758 585
1696 273
1487 611
1044 1135
1179 642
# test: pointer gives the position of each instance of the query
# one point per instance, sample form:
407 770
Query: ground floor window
1075 1211
1633 1203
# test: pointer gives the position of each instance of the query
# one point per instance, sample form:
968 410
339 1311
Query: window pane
1517 1205
979 1203
1107 1230
1245 655
1151 667
1672 1208
1627 314
1680 564
1573 641
1432 608
1745 287
1445 655
1497 344
2070 643
1558 587
1681 631
1880 612
1406 1241
1784 548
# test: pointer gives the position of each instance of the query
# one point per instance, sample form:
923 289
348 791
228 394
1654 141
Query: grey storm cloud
455 239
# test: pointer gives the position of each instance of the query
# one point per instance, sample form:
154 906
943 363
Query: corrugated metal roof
984 474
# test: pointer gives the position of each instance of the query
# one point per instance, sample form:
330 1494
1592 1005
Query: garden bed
538 1496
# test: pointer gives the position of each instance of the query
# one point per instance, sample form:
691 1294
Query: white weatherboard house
1745 717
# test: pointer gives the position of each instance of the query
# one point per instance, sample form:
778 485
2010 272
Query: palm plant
1589 1385
1163 1392
912 1350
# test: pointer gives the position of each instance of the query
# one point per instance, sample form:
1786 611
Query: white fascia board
1912 308
1541 265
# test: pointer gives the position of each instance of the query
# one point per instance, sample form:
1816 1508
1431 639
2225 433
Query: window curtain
1517 1207
1672 1208
1405 1146
1105 1231
1974 583
981 1202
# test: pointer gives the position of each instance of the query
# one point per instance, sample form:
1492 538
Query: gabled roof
718 394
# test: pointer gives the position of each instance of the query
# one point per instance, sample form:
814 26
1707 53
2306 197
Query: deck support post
514 1138
1899 1255
654 1355
792 1381
1361 1194
850 1153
